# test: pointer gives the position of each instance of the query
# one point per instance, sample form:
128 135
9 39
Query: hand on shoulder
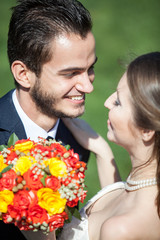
85 135
89 139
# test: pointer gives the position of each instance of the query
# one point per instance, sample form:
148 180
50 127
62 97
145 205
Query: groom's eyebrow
69 69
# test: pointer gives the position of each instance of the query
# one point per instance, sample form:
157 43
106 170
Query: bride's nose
110 100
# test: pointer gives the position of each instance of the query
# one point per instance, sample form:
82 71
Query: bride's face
121 128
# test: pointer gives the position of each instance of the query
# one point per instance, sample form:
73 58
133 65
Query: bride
125 210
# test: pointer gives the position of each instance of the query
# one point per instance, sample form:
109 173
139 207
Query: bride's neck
144 170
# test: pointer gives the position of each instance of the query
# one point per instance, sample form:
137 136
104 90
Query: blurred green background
123 29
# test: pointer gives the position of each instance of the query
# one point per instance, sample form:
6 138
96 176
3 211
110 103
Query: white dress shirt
33 131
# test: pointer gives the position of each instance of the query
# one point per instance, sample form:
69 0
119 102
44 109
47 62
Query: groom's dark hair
34 25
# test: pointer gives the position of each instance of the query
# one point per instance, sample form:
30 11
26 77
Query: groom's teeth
77 98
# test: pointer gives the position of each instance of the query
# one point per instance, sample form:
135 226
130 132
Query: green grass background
123 29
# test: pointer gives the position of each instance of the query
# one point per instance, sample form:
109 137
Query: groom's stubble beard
47 104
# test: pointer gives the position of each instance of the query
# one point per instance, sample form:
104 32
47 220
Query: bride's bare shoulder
115 228
127 227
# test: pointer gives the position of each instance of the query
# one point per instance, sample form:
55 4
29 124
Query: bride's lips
109 124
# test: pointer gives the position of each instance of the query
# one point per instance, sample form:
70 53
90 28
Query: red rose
18 217
31 181
71 162
24 199
8 180
10 157
37 214
52 182
56 149
14 212
73 203
57 221
60 148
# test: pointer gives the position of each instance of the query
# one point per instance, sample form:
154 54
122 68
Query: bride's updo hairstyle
143 78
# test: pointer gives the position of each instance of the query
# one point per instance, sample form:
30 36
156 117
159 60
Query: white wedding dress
78 229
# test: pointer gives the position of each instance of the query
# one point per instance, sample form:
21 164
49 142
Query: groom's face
60 90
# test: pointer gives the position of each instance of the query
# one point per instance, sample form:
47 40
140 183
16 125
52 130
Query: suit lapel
10 121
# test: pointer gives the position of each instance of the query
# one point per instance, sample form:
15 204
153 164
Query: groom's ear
21 73
147 134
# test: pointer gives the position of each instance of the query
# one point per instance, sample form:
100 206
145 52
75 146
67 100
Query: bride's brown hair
143 78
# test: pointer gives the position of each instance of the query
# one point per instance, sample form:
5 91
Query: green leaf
12 139
43 180
46 170
2 147
6 169
72 212
69 214
67 147
76 214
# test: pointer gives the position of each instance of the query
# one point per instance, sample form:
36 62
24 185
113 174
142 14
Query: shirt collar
33 131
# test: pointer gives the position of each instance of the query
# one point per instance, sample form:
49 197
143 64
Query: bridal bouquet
40 183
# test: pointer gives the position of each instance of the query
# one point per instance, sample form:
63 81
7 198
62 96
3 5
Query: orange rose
24 199
38 214
60 149
52 182
31 181
8 180
57 221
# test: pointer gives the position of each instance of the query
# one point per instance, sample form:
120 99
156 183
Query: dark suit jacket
11 123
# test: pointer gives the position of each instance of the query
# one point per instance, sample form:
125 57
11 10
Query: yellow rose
23 164
6 198
24 146
2 164
51 201
57 167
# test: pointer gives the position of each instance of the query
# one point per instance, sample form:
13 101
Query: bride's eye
117 102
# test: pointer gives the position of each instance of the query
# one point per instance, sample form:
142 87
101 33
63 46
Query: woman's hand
83 133
89 139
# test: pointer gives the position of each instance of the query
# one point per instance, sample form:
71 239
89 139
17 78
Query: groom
51 50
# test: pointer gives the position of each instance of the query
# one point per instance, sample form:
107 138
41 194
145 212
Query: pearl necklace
135 185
